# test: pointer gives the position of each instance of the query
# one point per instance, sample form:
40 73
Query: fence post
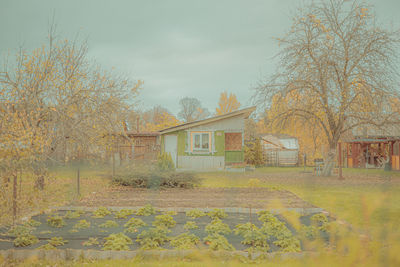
78 178
14 197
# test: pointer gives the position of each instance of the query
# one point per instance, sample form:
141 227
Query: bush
134 223
101 212
164 221
109 224
153 238
195 213
165 162
218 242
217 214
24 240
117 242
146 210
82 224
156 179
124 213
217 227
190 225
185 241
56 221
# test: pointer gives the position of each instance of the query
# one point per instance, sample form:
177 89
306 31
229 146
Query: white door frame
174 154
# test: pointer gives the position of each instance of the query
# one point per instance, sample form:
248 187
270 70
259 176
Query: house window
201 141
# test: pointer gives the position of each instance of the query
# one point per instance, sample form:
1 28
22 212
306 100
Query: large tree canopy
338 71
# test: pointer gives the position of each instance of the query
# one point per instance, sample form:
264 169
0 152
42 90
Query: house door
171 146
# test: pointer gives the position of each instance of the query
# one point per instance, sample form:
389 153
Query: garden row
148 228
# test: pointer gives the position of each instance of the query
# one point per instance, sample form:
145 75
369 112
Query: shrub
165 162
217 227
266 216
146 210
218 242
190 225
290 244
117 242
91 242
252 236
56 221
101 212
82 224
153 238
309 232
20 230
195 213
109 224
32 223
171 212
185 241
123 213
73 214
47 247
156 179
276 228
24 240
320 221
57 241
217 214
164 221
134 223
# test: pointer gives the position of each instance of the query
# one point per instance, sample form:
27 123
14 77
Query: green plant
190 225
185 241
217 242
171 213
32 223
20 230
252 236
217 227
309 232
290 244
153 238
109 224
134 223
123 213
165 162
253 153
195 213
164 221
117 242
57 241
82 224
73 214
101 212
56 221
266 216
24 240
217 214
91 242
47 246
146 210
320 220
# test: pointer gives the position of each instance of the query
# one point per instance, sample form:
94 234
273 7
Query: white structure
280 150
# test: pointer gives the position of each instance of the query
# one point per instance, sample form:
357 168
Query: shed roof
246 112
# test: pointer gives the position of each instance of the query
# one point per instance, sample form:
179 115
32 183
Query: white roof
289 143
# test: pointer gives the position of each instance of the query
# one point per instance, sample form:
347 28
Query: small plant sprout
57 241
217 214
56 221
101 212
73 214
109 224
82 224
135 223
190 225
195 213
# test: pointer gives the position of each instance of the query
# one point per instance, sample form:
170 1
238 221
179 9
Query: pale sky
179 48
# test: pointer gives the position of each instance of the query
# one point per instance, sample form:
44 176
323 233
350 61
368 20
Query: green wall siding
219 143
234 156
181 143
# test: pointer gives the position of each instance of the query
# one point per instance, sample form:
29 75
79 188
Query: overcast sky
179 48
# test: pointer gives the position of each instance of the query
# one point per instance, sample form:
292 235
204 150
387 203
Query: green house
209 144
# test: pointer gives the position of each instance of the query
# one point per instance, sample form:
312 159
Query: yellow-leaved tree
227 103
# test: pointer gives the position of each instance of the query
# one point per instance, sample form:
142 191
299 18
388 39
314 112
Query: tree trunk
329 161
14 197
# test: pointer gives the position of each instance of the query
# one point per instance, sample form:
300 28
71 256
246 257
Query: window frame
201 149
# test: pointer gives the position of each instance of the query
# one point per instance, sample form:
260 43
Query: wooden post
14 197
340 161
78 178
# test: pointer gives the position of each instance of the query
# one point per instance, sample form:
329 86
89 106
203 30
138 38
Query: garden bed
75 229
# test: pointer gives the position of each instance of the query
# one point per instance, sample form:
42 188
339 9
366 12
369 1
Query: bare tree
337 71
191 110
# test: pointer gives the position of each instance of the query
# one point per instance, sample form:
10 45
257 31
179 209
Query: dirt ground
195 198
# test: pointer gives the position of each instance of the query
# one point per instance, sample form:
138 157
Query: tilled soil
196 198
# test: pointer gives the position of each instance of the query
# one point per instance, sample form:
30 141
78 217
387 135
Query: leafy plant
109 224
217 214
164 221
190 225
47 246
185 241
171 213
252 236
32 223
165 162
82 224
266 216
153 238
56 221
217 227
275 228
195 213
290 244
123 213
20 230
91 242
146 210
309 232
57 241
117 242
134 223
23 240
217 242
73 214
321 221
101 212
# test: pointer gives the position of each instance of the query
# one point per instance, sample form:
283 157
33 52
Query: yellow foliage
227 103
